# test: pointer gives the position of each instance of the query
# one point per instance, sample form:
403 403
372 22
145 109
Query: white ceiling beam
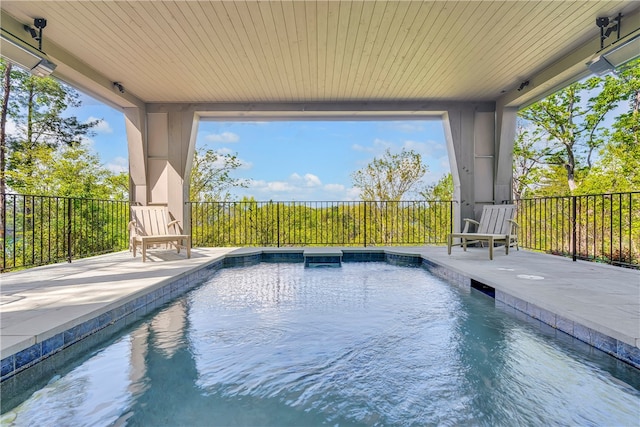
375 110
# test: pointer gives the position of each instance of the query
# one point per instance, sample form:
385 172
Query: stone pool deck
47 308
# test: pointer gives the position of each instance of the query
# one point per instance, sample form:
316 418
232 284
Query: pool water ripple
366 344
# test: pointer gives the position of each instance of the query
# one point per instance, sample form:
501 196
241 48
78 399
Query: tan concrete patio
594 299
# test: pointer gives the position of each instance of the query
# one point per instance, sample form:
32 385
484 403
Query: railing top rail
45 196
578 195
328 201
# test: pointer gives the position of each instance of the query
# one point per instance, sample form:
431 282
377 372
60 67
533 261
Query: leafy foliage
389 177
211 175
570 142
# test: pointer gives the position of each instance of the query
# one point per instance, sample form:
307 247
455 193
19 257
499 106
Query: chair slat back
150 220
494 219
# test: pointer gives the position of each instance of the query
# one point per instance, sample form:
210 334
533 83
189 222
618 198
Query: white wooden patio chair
496 226
150 226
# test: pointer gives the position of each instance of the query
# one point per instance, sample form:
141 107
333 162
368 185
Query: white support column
171 145
136 125
458 130
506 125
183 130
470 136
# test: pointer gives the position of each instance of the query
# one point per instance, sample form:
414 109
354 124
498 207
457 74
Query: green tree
441 190
618 168
68 171
568 130
37 106
389 177
211 176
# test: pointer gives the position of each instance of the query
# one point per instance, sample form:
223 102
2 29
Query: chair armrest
131 226
467 221
514 226
173 224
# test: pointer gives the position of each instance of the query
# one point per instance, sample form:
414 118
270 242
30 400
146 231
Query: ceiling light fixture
117 86
18 51
616 57
617 52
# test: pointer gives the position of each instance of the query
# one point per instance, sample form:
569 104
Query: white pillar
161 147
136 125
506 125
470 136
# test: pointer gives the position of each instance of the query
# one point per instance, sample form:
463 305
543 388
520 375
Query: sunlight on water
365 344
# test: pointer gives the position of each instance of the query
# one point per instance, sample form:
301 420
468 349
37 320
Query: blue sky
289 160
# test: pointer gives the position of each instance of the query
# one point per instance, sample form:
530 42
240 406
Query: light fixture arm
604 23
40 23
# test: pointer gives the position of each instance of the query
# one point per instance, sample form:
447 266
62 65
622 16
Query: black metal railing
595 227
320 223
38 230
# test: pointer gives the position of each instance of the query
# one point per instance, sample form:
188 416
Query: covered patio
168 65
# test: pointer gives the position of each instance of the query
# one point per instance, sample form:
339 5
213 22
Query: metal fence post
574 231
278 220
365 224
69 212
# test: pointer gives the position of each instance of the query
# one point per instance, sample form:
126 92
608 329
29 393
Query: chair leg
491 248
449 243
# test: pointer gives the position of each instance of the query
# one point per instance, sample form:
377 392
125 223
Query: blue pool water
366 344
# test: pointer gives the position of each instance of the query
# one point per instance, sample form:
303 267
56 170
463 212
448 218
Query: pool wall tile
28 356
521 305
53 344
295 257
582 332
403 260
7 365
348 256
604 343
564 324
629 353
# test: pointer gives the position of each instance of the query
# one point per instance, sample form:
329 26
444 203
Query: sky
282 161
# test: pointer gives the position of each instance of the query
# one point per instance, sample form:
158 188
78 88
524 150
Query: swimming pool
365 344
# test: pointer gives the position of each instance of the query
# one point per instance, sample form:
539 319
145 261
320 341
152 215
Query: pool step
322 257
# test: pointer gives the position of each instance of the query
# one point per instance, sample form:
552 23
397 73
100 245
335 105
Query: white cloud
226 137
418 147
87 142
378 147
334 188
353 193
270 186
102 126
298 187
224 150
118 165
308 180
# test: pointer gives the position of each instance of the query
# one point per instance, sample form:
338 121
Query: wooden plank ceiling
325 51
